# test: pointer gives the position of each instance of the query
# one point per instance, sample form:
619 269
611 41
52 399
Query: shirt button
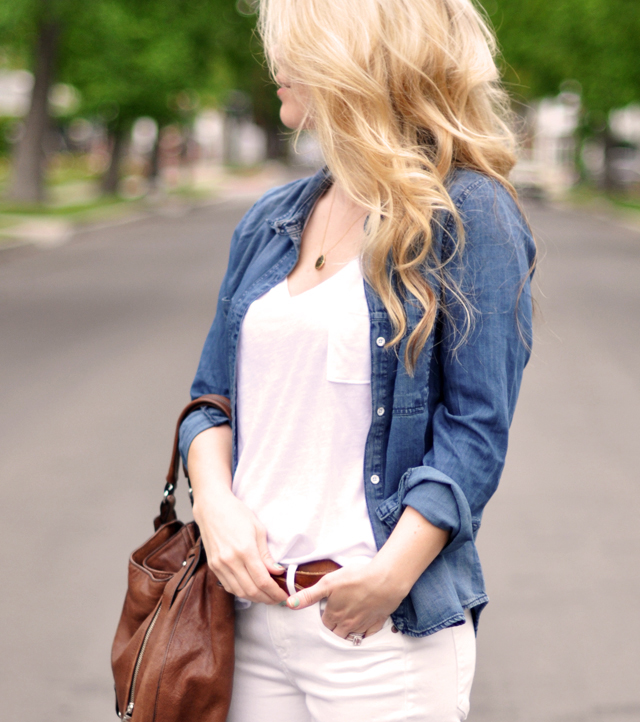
380 341
375 479
380 411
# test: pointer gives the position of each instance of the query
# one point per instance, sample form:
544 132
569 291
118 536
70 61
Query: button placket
373 453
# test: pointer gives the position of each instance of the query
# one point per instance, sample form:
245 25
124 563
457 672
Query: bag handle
167 507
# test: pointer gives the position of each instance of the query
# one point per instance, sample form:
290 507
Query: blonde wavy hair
401 92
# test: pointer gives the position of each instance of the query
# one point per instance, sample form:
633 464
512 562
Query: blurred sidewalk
207 185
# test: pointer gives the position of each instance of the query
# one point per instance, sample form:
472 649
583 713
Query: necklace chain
322 258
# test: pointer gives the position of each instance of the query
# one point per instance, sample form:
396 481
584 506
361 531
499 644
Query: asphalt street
99 339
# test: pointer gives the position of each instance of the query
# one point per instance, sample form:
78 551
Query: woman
371 332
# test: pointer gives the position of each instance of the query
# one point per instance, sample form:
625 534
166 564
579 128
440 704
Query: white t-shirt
304 412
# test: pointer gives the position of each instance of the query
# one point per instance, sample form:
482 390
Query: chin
291 119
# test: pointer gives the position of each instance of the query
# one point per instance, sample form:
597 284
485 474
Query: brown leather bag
172 655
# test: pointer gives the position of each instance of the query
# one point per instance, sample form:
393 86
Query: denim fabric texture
438 438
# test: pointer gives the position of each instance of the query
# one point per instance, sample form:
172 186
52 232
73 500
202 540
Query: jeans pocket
379 636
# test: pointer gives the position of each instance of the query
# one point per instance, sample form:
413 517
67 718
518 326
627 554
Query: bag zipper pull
128 713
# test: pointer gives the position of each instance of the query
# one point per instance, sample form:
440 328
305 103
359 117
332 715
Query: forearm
209 464
412 546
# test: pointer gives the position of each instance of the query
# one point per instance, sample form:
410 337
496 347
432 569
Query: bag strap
167 507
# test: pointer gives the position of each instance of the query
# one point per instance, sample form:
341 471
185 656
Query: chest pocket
348 352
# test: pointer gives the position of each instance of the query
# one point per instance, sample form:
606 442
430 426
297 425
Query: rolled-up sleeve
198 421
480 374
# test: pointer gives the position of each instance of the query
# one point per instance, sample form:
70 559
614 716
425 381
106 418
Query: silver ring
355 638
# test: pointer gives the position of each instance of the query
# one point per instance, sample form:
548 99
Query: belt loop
291 578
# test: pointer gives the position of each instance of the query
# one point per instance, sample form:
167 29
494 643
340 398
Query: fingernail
294 602
282 604
279 566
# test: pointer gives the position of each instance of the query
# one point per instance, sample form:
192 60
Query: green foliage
142 57
136 56
594 42
7 128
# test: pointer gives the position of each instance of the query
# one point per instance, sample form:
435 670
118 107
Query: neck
343 203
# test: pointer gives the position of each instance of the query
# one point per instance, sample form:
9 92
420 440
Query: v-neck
318 285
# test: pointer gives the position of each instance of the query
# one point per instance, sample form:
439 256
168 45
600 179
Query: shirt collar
293 221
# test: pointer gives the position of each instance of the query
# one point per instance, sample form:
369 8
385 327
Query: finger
239 569
307 597
342 630
224 572
374 629
221 578
328 623
228 583
261 579
248 589
269 562
236 579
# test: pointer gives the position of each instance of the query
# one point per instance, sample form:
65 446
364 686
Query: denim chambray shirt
438 439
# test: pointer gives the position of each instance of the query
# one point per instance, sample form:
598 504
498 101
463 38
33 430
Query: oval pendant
320 262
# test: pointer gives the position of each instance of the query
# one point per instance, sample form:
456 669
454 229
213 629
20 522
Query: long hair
401 92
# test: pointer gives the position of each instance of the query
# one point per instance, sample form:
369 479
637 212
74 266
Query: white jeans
291 668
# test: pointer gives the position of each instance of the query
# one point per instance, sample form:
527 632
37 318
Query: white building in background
143 135
625 124
208 132
547 161
15 92
15 95
251 144
307 152
222 137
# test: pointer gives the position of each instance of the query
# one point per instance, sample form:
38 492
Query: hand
234 539
358 600
236 545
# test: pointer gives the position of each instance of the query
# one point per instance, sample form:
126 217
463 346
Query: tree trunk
578 157
27 184
154 162
111 179
610 181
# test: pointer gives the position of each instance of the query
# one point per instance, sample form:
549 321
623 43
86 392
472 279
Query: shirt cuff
198 421
440 501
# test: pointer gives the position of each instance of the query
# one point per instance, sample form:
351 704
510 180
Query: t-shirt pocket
348 353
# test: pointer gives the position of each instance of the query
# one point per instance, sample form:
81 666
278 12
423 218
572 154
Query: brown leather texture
307 574
173 653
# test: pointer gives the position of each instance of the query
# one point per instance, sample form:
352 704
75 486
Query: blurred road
100 339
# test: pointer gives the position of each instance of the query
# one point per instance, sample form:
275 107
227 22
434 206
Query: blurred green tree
31 30
596 42
593 42
130 58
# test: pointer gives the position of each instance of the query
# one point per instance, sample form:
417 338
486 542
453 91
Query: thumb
265 554
307 597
